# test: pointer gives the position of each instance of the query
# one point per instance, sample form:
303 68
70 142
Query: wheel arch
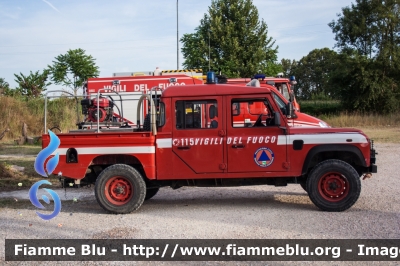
101 162
333 185
346 153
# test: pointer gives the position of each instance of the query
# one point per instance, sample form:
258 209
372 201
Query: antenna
177 37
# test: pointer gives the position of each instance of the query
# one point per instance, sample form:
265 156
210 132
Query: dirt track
245 212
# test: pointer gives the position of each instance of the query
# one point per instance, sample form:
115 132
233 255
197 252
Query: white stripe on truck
167 143
333 138
110 150
164 143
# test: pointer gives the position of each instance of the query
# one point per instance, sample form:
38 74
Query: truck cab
198 138
282 92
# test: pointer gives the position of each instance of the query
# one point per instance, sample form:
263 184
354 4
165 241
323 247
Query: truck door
254 143
197 142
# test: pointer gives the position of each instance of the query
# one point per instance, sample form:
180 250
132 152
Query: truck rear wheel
120 189
333 185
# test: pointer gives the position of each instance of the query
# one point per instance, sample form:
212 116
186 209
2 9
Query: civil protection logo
40 169
264 157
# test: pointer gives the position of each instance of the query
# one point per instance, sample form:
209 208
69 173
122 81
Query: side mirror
277 119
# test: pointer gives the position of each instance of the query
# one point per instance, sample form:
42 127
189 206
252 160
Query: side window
255 112
199 114
161 114
283 89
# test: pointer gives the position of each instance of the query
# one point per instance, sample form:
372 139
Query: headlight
323 124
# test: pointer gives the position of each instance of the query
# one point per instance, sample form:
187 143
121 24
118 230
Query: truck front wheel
333 185
120 189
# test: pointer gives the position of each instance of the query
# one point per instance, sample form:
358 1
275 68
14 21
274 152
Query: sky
133 35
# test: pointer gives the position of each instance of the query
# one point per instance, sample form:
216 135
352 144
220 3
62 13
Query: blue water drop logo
40 169
35 201
45 153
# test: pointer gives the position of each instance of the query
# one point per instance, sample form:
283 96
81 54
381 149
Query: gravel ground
260 212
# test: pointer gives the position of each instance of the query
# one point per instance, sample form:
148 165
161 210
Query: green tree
270 66
368 34
73 69
288 67
354 28
313 72
4 86
231 38
371 27
33 84
363 86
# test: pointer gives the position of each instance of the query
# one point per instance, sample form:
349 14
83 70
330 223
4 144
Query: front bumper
373 168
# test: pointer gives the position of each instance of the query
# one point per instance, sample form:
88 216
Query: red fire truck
283 85
127 89
194 141
108 110
282 92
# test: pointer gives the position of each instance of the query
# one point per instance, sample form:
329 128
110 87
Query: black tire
333 185
56 127
147 123
120 188
303 185
151 192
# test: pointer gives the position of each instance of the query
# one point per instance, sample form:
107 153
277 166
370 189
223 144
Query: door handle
183 147
238 146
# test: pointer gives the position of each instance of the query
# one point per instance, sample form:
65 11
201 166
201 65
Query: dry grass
383 134
380 128
14 112
357 120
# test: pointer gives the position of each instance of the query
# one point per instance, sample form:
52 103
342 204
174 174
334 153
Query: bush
317 108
